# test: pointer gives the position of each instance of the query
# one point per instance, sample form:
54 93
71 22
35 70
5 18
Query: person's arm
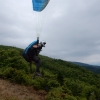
35 46
38 49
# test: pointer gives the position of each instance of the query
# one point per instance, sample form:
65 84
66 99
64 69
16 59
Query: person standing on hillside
31 55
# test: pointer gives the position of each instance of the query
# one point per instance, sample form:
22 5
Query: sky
71 28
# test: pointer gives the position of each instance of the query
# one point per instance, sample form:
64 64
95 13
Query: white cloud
71 28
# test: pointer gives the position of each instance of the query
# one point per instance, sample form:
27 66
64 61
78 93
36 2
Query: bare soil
12 91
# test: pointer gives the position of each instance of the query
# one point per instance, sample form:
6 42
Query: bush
16 76
57 94
53 84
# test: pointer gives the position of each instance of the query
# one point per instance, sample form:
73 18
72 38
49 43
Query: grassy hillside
61 80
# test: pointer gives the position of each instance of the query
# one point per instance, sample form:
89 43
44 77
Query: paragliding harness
28 57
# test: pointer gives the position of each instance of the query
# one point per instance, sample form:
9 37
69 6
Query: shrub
16 76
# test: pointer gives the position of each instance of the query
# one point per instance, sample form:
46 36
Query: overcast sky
71 28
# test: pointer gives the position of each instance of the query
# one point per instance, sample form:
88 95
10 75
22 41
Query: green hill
61 80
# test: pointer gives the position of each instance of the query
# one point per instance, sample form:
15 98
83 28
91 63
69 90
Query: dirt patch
11 91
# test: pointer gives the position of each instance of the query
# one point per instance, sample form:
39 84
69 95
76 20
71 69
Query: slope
12 91
61 80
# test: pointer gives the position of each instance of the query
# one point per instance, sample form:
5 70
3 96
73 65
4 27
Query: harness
27 52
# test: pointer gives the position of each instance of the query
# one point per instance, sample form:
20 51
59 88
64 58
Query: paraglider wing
39 5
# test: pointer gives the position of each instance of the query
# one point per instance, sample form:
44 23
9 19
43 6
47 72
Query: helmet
43 44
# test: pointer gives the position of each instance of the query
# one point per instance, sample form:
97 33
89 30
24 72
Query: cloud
70 28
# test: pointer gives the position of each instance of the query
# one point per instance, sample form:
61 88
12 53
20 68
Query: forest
61 80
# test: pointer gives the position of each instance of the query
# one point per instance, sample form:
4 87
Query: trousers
37 60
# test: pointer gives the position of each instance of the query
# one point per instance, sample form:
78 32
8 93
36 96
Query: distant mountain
93 68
